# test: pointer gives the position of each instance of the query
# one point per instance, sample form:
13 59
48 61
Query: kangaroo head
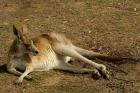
24 40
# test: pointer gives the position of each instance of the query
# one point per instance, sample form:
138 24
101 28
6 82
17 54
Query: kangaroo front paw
18 82
104 72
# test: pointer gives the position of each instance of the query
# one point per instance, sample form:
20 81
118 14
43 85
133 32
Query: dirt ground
107 26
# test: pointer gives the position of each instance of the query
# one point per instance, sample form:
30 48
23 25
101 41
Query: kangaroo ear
24 30
16 32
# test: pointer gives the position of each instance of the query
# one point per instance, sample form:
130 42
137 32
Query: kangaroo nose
35 53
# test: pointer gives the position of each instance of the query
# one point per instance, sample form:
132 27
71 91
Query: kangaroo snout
35 52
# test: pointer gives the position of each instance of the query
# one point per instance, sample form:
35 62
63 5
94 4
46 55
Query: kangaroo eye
26 45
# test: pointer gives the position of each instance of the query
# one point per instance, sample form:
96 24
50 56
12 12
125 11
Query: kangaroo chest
45 61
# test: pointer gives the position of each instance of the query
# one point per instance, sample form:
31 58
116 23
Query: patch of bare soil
107 26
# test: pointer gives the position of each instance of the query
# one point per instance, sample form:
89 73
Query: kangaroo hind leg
68 50
71 68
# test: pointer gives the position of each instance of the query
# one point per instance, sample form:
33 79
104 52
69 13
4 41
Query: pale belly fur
48 60
43 63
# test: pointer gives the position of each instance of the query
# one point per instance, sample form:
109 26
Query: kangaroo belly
46 61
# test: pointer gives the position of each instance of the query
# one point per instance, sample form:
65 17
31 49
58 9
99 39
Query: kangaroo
49 51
